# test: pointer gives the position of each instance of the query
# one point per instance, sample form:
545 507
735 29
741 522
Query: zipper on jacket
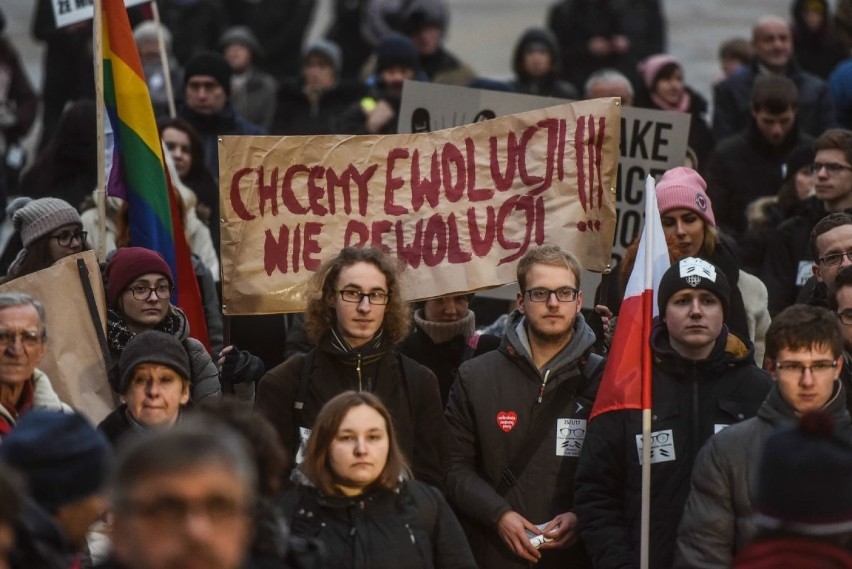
543 384
411 534
358 371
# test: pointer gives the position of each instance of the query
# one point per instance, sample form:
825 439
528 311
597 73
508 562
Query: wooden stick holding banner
98 48
164 61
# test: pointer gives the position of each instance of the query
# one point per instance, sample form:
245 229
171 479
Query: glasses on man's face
834 258
832 168
29 339
141 292
564 294
794 370
66 237
356 296
171 512
845 317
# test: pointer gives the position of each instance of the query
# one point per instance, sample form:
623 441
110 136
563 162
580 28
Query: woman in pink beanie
690 228
665 90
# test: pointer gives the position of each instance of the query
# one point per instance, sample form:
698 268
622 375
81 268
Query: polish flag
626 382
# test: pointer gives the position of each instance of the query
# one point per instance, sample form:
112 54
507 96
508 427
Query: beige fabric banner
459 206
73 359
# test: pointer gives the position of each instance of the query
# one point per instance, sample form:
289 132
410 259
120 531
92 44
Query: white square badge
662 446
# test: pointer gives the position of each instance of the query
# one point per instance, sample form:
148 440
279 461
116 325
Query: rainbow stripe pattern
135 166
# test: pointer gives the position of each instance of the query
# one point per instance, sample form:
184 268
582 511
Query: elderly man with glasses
804 348
23 338
517 416
355 316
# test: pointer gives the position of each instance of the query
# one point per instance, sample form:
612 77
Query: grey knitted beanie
41 216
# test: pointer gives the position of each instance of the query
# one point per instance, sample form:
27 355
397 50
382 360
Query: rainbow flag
136 170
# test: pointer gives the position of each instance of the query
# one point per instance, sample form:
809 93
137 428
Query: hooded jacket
692 399
717 521
380 528
550 85
408 390
493 405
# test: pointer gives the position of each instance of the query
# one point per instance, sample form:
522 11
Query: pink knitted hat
650 66
685 188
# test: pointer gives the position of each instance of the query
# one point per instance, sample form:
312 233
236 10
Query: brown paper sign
459 207
73 360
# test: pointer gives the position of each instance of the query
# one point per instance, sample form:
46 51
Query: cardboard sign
458 207
69 12
651 143
73 360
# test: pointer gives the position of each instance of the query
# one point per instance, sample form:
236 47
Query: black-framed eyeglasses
821 368
356 296
29 339
66 237
845 317
834 258
141 292
564 294
830 167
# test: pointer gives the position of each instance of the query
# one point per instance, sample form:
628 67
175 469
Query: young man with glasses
804 349
831 247
703 380
355 316
23 341
789 260
517 418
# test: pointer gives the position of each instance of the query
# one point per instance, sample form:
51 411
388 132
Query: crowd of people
450 433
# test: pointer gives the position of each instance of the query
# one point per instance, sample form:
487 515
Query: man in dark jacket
804 347
789 259
355 315
773 50
64 462
207 90
517 417
751 164
703 379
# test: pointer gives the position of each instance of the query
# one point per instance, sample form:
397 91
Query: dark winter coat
550 85
506 384
210 127
743 168
732 102
717 522
297 115
788 262
444 358
701 139
411 527
691 401
413 400
39 541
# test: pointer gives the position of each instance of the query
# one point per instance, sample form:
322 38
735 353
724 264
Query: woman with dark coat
665 90
354 494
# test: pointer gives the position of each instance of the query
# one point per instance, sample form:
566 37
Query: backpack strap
542 424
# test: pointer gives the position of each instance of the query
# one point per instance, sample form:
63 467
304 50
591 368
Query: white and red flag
626 382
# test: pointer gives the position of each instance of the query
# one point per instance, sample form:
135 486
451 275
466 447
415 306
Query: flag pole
648 245
100 191
164 60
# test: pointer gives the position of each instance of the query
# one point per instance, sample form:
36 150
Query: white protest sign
69 12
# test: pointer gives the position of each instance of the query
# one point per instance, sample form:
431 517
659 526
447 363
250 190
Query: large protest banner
651 143
458 207
69 12
73 360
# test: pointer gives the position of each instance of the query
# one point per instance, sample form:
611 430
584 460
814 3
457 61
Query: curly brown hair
320 315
